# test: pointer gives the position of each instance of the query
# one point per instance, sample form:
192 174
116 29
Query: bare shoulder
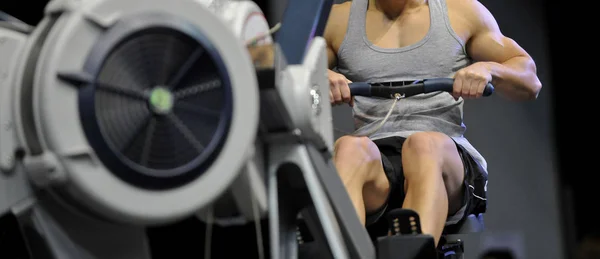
468 7
472 14
472 10
337 23
340 11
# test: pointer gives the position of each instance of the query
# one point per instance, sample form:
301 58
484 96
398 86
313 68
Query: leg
434 179
358 162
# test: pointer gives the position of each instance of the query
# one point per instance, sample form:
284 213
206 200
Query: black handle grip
360 89
419 87
446 85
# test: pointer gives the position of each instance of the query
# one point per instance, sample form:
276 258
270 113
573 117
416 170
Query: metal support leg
293 185
53 232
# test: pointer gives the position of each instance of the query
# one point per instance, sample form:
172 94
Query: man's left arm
513 72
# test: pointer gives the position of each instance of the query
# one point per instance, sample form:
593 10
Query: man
419 159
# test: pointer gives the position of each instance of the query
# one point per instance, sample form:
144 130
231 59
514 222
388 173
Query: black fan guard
155 101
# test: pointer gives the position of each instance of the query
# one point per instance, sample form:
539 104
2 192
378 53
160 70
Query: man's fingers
481 88
345 91
339 92
457 88
331 100
473 85
351 103
475 89
470 88
335 90
475 92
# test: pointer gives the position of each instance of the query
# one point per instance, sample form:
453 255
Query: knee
430 144
356 152
429 148
350 148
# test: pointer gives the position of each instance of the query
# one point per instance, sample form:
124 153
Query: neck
394 8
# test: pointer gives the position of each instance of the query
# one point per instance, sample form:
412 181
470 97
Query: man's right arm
329 35
334 35
335 30
331 57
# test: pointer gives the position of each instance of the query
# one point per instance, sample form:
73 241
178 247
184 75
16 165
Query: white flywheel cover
76 45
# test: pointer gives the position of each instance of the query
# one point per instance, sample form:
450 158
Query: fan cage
159 108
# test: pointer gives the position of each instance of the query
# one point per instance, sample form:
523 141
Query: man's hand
470 81
339 92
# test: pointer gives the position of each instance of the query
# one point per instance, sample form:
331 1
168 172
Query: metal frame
301 177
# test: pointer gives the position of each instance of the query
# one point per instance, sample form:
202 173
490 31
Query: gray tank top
439 54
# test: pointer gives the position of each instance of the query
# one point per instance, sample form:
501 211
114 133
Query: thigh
429 156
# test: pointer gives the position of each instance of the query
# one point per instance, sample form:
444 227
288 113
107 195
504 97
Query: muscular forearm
516 78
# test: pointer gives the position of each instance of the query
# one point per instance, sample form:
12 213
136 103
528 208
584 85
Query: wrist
494 69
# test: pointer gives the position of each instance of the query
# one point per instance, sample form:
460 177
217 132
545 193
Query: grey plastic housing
65 49
14 186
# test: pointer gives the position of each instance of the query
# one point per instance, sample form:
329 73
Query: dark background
537 152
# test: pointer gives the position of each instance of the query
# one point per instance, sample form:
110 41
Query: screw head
316 100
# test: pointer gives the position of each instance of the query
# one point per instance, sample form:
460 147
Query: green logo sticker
161 100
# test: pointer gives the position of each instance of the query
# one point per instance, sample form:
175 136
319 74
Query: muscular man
419 159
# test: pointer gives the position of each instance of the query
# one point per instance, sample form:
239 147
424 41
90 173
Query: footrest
452 249
406 246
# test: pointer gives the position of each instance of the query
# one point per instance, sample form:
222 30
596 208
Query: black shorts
474 201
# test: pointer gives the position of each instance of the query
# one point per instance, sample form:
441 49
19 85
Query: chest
408 28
